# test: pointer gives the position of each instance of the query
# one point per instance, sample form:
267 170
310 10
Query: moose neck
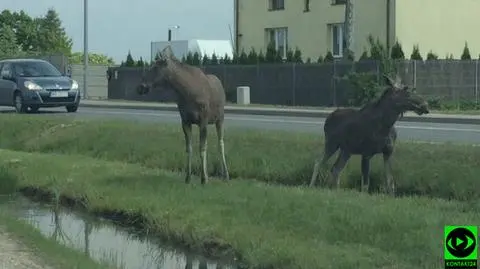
384 115
175 80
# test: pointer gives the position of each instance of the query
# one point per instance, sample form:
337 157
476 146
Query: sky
117 26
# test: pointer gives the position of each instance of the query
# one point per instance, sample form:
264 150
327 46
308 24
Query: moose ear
388 80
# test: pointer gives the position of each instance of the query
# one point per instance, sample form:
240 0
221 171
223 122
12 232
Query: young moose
200 101
367 132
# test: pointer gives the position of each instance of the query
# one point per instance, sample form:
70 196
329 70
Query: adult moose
367 132
200 101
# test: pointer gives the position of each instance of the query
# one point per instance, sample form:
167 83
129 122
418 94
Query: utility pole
348 28
85 48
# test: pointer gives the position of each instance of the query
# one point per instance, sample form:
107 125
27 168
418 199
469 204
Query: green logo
461 247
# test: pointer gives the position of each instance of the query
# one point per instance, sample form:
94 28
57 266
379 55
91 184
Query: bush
397 52
416 54
328 57
431 56
365 88
466 53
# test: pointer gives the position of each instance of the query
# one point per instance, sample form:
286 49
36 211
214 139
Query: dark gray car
28 84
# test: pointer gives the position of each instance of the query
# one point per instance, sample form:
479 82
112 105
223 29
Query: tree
397 51
377 50
235 58
129 62
320 59
272 55
243 57
189 58
25 29
297 55
364 56
140 62
205 60
196 59
466 53
328 57
349 56
93 58
214 59
8 41
252 57
416 54
289 56
226 59
261 57
431 56
52 37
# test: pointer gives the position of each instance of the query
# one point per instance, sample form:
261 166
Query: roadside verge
282 112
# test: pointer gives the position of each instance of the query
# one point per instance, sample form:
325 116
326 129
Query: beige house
316 26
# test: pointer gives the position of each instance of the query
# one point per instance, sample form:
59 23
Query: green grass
47 250
445 170
440 170
264 225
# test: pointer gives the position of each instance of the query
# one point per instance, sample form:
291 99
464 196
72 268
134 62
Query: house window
307 6
276 4
338 43
339 2
279 37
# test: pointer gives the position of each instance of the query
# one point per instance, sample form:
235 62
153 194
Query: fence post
414 74
476 81
294 82
334 82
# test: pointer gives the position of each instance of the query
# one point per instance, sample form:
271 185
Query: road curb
288 113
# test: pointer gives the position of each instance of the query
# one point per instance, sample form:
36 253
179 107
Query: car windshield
36 69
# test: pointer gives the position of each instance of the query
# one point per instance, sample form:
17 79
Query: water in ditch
104 241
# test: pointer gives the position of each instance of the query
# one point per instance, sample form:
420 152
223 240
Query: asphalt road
421 131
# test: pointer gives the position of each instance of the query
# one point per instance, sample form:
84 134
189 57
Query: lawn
262 225
446 170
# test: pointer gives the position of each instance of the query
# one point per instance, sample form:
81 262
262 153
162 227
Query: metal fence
315 84
97 83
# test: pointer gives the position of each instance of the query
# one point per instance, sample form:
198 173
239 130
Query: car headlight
74 85
32 86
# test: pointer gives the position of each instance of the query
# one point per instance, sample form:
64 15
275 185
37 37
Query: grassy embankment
446 171
124 168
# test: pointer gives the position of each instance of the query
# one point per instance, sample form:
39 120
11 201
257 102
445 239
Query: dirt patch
14 255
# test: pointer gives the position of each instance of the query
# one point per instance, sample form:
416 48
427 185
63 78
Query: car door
7 85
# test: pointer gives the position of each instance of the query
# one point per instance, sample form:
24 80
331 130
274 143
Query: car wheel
33 109
72 108
20 107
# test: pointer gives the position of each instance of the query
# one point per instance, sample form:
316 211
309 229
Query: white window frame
276 32
338 2
276 5
336 29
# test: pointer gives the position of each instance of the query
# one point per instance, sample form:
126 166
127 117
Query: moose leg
340 163
365 173
329 150
203 152
187 131
221 148
388 173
